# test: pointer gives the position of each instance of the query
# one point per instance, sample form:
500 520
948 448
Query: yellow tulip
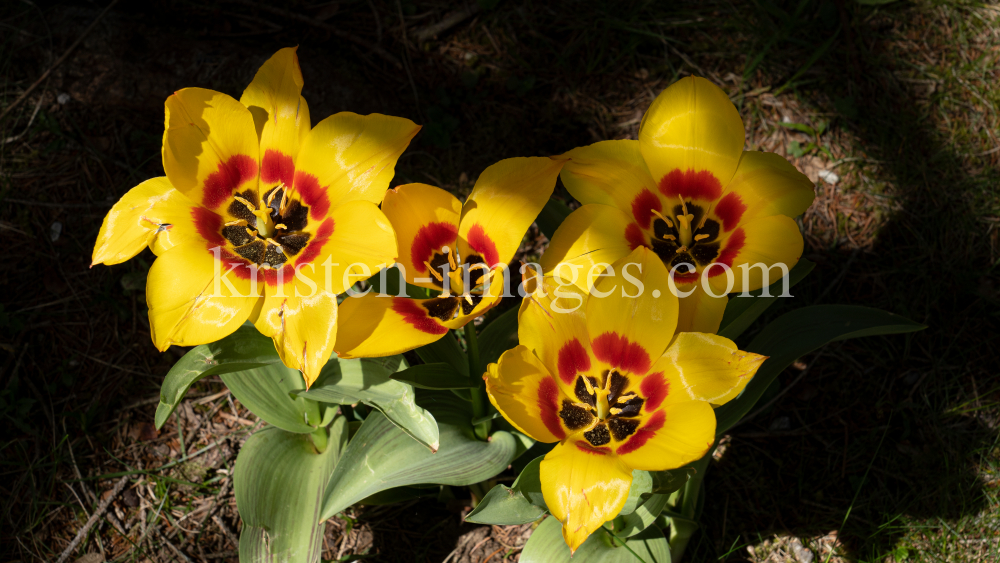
460 250
259 215
687 190
606 377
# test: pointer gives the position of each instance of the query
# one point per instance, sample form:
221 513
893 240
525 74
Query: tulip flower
259 217
689 192
460 250
604 376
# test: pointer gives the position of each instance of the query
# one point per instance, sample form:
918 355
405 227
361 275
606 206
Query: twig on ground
225 530
101 508
58 62
454 18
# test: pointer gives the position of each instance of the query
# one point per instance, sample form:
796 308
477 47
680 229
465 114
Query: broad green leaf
278 482
799 332
447 350
551 216
369 381
546 545
433 376
741 312
401 494
244 349
267 392
644 515
518 504
642 483
497 338
380 456
666 482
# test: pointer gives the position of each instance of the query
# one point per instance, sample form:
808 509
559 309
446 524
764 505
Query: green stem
320 439
681 530
479 400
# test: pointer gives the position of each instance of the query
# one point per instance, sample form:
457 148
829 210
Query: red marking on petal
642 207
548 404
634 236
691 185
315 245
573 359
209 226
429 238
417 316
483 245
285 274
730 208
587 448
231 174
277 167
240 267
313 195
643 435
733 246
654 388
621 353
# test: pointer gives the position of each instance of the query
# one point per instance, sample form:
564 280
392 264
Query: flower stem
681 529
320 439
479 399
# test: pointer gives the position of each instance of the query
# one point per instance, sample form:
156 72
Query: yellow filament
434 272
660 215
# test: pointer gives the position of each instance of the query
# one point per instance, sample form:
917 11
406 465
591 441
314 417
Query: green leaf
799 332
369 381
741 312
381 457
546 545
519 504
644 515
433 376
445 350
551 216
666 482
642 483
244 349
278 482
497 338
267 392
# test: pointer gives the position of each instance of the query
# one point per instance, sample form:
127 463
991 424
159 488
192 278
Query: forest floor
886 450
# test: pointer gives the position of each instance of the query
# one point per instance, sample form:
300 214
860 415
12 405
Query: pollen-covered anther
663 218
700 237
237 223
282 226
248 205
437 275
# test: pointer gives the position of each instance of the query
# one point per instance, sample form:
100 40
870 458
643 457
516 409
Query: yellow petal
349 157
610 173
361 244
706 367
765 184
274 98
374 326
768 241
138 220
671 437
632 313
425 219
194 298
505 201
591 236
526 394
699 311
552 325
303 325
210 149
692 138
583 489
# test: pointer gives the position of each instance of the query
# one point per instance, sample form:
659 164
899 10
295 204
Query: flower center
462 283
606 410
689 241
268 231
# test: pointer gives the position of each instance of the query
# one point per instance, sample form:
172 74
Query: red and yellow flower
259 215
688 191
460 250
604 376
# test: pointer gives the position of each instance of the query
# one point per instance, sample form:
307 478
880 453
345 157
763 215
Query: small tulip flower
259 215
689 192
606 377
462 251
